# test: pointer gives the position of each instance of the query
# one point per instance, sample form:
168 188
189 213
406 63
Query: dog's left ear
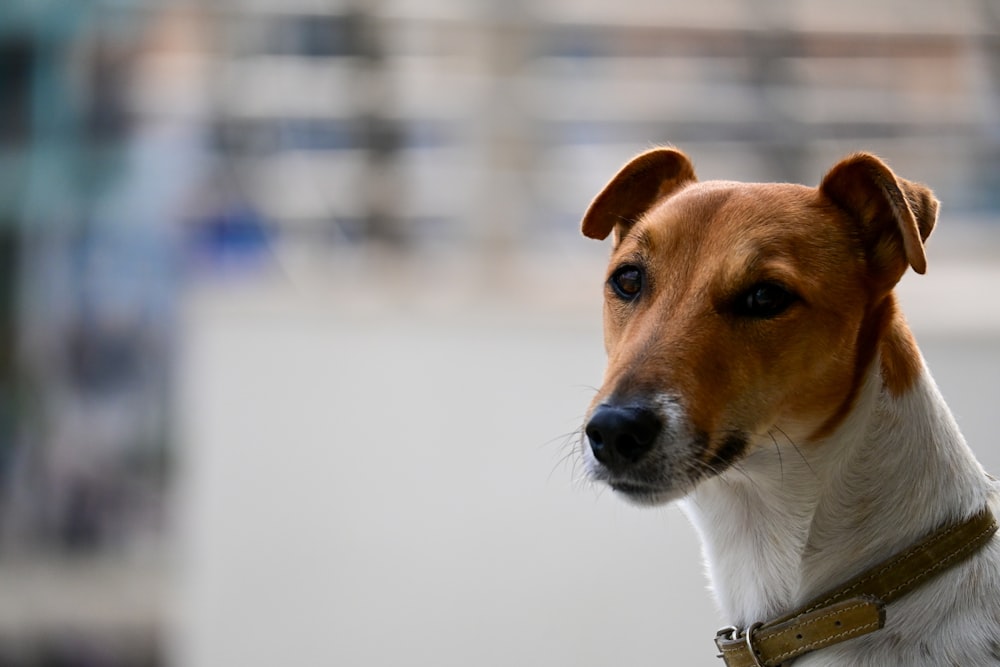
896 216
646 179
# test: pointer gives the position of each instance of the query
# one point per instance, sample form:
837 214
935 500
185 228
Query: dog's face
737 314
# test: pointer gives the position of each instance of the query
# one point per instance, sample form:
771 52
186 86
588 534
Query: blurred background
297 328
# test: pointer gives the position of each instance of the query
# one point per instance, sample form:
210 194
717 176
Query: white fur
787 523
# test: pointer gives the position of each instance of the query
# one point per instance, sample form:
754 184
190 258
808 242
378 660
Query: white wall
370 480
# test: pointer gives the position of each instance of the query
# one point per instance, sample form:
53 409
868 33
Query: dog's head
734 311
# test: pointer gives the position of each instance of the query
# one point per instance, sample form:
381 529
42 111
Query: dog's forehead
735 213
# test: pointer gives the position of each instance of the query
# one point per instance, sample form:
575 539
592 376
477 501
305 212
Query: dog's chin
645 495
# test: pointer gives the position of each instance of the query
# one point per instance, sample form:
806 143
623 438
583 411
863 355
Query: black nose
620 435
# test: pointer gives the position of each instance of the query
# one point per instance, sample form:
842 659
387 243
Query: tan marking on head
703 247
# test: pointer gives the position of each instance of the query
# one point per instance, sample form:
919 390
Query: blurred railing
494 122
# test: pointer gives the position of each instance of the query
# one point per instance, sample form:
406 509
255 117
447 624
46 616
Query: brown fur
840 248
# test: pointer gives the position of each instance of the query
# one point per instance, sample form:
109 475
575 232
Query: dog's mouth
670 469
645 494
649 483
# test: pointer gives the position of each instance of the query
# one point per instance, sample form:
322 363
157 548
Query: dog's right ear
648 178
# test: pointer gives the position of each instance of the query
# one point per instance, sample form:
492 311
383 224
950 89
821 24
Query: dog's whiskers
797 450
781 461
569 443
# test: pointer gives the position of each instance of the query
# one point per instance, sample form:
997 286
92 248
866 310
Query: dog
759 371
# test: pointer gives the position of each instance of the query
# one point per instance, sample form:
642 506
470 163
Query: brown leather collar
858 607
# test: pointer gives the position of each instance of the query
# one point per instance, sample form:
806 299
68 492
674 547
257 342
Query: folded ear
895 216
648 178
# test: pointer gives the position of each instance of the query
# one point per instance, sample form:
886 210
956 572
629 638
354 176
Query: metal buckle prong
748 638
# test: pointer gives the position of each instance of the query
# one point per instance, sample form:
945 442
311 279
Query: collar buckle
731 633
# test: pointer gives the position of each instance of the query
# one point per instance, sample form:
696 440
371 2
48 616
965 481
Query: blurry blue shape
236 237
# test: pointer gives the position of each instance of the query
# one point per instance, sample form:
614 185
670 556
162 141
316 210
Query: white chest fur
788 523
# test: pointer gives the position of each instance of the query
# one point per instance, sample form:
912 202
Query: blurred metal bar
507 141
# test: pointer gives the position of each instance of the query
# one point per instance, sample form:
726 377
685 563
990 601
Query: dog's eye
627 282
764 301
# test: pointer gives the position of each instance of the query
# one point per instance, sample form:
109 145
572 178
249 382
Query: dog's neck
791 521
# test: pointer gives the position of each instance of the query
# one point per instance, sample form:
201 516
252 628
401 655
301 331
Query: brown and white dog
759 369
